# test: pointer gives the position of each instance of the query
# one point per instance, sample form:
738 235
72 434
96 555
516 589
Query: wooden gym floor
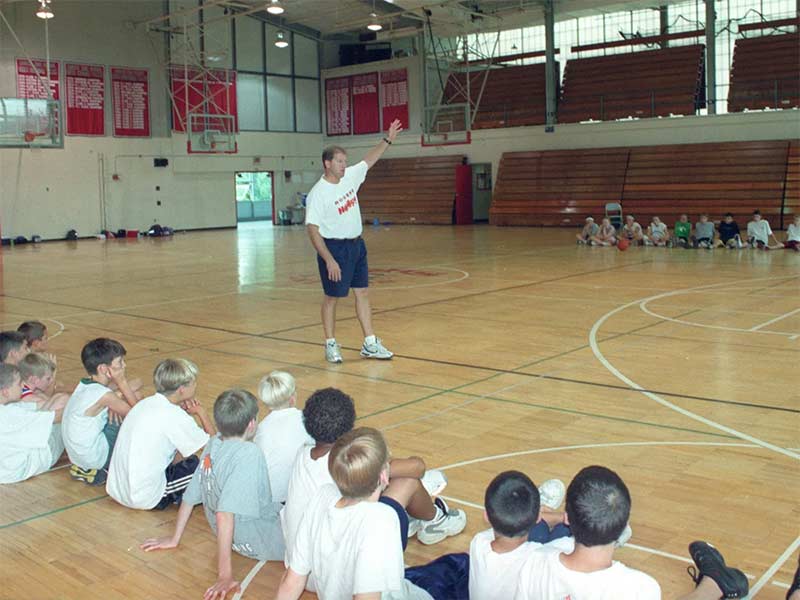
515 349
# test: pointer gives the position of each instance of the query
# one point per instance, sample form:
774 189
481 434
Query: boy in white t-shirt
93 412
13 347
282 433
350 538
233 485
759 232
154 458
598 507
793 235
30 439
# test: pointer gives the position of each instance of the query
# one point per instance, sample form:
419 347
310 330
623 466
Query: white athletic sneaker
376 350
552 493
624 537
332 353
434 482
449 522
414 526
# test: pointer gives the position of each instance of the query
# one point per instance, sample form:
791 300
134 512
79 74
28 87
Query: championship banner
29 84
394 97
337 106
366 110
130 98
85 106
202 92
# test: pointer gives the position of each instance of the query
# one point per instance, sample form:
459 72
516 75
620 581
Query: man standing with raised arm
334 224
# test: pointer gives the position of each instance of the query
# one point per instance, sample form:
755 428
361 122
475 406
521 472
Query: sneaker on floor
414 526
376 350
448 522
88 476
624 537
552 492
709 563
434 482
333 353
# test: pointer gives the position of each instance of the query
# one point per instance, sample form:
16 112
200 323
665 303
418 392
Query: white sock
370 339
330 341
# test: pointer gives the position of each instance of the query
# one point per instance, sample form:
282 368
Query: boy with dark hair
598 508
154 458
512 507
759 232
30 438
729 234
13 347
35 333
351 537
93 411
233 485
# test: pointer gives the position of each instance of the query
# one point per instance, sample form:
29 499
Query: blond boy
39 381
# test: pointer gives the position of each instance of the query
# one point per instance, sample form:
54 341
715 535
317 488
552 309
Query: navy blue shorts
402 515
352 258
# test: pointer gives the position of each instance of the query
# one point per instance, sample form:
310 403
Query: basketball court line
769 573
775 320
687 413
52 512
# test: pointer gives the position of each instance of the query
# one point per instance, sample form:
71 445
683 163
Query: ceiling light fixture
374 24
44 11
280 40
275 7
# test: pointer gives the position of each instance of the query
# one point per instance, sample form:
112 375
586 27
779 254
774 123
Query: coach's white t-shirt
24 441
352 550
86 444
333 207
544 577
279 436
493 575
308 475
150 434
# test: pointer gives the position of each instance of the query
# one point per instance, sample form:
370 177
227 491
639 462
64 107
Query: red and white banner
202 92
130 98
366 111
85 106
394 97
337 106
29 83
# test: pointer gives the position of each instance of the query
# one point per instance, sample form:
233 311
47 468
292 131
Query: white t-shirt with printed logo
544 577
150 434
333 207
493 575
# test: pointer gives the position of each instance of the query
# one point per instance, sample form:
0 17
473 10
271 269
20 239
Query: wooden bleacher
791 193
512 97
411 190
561 187
558 187
765 73
638 84
713 178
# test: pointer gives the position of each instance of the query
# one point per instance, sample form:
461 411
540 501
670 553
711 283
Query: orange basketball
29 136
623 244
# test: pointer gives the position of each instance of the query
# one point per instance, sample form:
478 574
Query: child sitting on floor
729 234
588 232
94 411
606 236
39 382
13 347
154 458
282 433
30 438
703 233
793 235
682 231
657 233
759 232
233 485
35 333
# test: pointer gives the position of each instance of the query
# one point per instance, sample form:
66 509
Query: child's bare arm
194 408
115 404
412 467
184 512
225 582
370 596
292 586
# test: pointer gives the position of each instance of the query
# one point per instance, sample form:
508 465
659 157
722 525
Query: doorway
481 191
254 196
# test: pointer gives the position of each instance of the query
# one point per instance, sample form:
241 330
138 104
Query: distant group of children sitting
306 488
705 235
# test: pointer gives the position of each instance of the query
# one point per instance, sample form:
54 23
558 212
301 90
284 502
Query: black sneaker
709 563
795 582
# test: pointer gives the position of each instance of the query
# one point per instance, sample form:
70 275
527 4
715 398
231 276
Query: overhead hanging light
44 11
280 40
275 7
374 24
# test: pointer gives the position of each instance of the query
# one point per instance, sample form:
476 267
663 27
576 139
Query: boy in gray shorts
232 483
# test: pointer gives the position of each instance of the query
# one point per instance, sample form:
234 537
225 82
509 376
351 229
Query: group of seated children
306 488
759 233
